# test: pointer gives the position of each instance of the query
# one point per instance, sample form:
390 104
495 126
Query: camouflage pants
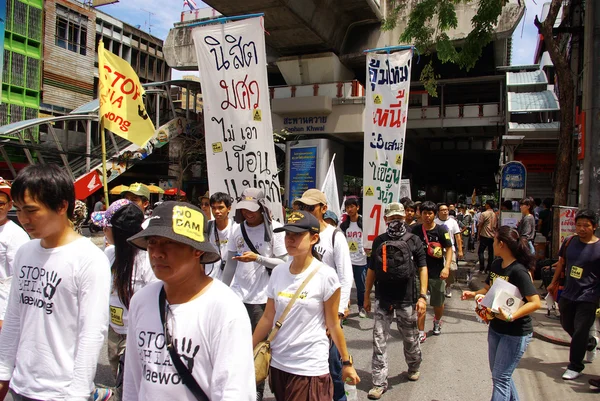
406 320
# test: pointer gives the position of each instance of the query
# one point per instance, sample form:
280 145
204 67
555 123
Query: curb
550 339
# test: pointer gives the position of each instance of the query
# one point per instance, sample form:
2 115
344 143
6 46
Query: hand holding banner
121 99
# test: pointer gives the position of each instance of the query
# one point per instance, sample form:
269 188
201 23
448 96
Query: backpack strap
250 244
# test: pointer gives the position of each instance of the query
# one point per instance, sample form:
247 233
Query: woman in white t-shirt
300 350
130 271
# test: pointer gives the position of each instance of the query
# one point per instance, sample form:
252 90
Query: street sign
514 176
87 185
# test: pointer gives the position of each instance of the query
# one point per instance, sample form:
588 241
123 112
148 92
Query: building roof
532 101
526 78
536 127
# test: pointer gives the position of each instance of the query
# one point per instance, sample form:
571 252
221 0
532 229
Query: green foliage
429 79
428 24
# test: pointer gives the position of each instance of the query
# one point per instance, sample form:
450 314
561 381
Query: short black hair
429 207
409 204
219 197
490 203
46 183
440 204
548 203
507 204
587 214
537 201
452 213
405 199
351 201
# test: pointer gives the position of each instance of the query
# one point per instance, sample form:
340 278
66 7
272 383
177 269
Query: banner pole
104 175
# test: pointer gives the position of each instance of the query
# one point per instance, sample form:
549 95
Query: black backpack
394 261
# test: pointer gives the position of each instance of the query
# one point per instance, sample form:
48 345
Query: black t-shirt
546 217
394 293
436 234
582 271
517 275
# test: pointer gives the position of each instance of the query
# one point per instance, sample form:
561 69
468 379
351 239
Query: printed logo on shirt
116 316
576 272
447 235
155 356
494 276
290 295
38 286
353 246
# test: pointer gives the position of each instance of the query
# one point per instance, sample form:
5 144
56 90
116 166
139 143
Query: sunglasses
308 208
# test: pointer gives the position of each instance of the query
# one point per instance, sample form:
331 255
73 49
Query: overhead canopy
530 81
15 127
532 102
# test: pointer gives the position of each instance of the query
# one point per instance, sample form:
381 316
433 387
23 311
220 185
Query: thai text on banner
386 112
240 152
121 99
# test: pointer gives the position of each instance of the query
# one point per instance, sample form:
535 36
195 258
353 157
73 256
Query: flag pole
101 122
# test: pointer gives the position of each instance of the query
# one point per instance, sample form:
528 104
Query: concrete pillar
590 179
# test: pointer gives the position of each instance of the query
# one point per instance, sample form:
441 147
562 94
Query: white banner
240 152
385 128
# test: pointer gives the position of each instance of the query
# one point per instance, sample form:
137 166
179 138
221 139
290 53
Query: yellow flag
121 103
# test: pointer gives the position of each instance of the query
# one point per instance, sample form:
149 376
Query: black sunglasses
308 208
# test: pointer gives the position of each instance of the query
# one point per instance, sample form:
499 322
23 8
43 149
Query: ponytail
518 246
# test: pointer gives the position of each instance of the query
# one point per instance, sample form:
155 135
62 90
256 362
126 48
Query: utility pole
149 22
590 174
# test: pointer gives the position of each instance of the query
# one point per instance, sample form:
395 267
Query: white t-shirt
56 320
214 270
355 244
212 334
250 279
339 259
11 238
301 346
142 275
451 225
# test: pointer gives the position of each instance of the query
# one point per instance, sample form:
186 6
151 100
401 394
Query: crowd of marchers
213 304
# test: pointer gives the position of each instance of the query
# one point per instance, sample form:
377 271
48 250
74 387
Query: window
71 30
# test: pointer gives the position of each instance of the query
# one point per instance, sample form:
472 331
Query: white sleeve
93 282
233 367
133 374
10 334
343 265
19 237
279 249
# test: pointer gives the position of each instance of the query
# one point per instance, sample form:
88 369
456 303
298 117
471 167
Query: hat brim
291 229
248 205
140 240
6 190
309 201
396 214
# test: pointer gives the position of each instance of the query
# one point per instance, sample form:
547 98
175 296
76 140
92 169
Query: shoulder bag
262 351
251 245
434 249
182 370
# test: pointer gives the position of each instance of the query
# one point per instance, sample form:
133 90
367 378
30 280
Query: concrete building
316 69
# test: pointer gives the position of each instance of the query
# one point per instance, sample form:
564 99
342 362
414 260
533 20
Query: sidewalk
544 328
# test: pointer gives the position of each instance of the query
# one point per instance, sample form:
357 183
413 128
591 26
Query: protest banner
385 128
566 222
240 152
122 107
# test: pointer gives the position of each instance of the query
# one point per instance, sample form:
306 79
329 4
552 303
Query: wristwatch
349 362
423 296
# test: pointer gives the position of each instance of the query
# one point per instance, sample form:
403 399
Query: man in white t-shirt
250 261
333 248
186 325
451 225
11 238
352 229
57 315
219 230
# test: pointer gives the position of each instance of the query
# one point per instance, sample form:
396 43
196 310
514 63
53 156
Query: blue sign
513 175
303 171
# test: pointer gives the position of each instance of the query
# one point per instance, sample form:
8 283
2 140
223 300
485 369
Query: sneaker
448 292
591 355
422 338
437 327
102 394
571 374
414 376
376 392
362 313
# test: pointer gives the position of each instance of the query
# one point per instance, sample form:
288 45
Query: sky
161 14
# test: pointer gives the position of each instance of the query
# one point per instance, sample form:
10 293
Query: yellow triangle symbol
257 116
399 159
369 191
353 247
377 99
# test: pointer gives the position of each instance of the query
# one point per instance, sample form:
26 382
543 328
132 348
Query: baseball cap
394 209
330 215
313 197
138 189
122 214
5 187
181 222
249 199
299 222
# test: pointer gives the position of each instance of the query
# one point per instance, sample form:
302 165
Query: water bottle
350 390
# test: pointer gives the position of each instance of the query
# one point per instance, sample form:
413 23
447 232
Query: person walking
509 334
486 229
397 291
57 315
299 365
219 230
130 271
187 334
448 221
579 262
526 225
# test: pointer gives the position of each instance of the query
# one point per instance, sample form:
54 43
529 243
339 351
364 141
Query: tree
186 151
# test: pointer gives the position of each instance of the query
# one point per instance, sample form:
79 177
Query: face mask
396 228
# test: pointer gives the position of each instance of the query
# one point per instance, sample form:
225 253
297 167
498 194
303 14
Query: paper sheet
500 285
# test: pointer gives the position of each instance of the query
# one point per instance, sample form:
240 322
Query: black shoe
595 382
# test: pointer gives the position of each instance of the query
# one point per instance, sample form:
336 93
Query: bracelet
509 318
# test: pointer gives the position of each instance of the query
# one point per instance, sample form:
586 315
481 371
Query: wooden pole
104 175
